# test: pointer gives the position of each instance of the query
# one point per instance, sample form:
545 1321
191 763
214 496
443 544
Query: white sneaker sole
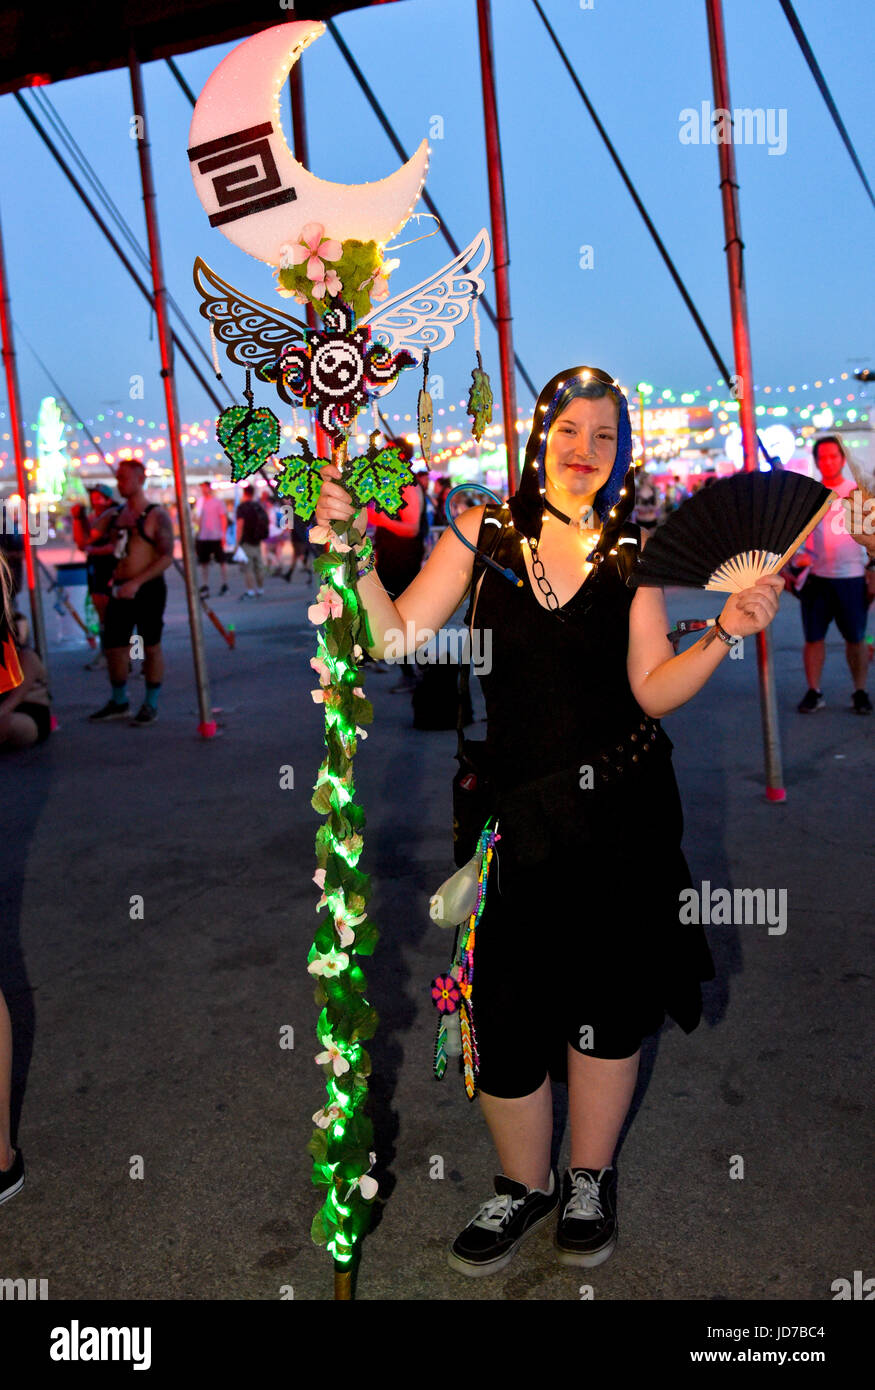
588 1259
478 1271
11 1191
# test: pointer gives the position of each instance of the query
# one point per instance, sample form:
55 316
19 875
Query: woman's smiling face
582 446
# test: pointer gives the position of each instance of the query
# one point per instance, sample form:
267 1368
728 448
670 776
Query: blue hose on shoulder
479 487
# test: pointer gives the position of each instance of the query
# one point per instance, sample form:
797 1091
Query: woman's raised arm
661 682
415 616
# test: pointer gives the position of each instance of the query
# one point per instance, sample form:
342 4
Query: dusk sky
807 223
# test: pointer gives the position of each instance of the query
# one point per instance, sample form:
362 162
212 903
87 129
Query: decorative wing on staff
427 315
251 333
424 317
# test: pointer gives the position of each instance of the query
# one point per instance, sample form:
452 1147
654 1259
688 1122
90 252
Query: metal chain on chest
544 583
542 580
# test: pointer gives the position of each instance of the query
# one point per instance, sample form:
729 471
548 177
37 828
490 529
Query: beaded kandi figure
454 992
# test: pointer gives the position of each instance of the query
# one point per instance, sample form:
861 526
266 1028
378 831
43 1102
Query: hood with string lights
615 499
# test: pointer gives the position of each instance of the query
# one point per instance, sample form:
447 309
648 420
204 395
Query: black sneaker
12 1180
861 702
588 1227
145 715
490 1241
110 711
223 590
813 700
204 591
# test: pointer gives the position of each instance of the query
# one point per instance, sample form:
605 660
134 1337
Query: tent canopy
40 44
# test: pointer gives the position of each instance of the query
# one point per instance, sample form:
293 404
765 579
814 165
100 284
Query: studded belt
612 762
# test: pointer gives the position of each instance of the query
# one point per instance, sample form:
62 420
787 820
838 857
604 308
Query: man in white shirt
836 587
210 541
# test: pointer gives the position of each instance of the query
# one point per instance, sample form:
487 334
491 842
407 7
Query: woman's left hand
751 610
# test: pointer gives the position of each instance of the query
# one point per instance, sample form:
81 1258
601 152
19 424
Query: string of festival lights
121 433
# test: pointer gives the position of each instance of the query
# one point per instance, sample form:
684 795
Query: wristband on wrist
367 556
724 636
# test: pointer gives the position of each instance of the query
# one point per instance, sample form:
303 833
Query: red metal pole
16 430
743 384
500 246
207 725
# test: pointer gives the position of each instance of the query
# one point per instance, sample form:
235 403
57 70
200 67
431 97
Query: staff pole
207 725
16 430
743 382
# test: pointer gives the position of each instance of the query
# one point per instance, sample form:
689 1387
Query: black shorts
534 996
207 550
41 716
145 612
841 599
100 570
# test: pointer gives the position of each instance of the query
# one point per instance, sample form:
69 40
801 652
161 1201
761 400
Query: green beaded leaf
480 403
301 482
379 480
249 437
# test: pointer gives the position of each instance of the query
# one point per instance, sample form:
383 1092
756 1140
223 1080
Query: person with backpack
580 949
253 527
142 537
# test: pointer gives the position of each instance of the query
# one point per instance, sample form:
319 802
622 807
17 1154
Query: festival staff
141 534
579 953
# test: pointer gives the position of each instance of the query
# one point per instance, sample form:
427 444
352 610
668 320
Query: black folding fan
729 535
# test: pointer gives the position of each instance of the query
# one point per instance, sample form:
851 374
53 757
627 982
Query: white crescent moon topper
247 178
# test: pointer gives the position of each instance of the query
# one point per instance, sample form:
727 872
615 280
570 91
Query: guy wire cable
819 78
697 319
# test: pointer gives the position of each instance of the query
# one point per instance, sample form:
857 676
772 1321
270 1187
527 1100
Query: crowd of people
128 543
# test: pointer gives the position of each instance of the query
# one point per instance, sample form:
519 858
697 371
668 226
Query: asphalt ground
159 1038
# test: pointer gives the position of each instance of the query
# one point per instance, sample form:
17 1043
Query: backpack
260 523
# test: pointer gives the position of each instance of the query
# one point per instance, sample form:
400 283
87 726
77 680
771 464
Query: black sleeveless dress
580 940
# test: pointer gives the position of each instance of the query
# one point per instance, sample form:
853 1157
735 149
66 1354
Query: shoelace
496 1211
584 1201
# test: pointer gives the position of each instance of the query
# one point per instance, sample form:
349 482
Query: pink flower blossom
319 880
321 670
331 284
311 247
328 604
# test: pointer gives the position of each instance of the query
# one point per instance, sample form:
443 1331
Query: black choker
582 521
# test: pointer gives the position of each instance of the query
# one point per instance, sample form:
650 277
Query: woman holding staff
579 952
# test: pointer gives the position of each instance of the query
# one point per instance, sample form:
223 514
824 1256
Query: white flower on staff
367 1185
326 1117
331 964
333 1055
344 922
